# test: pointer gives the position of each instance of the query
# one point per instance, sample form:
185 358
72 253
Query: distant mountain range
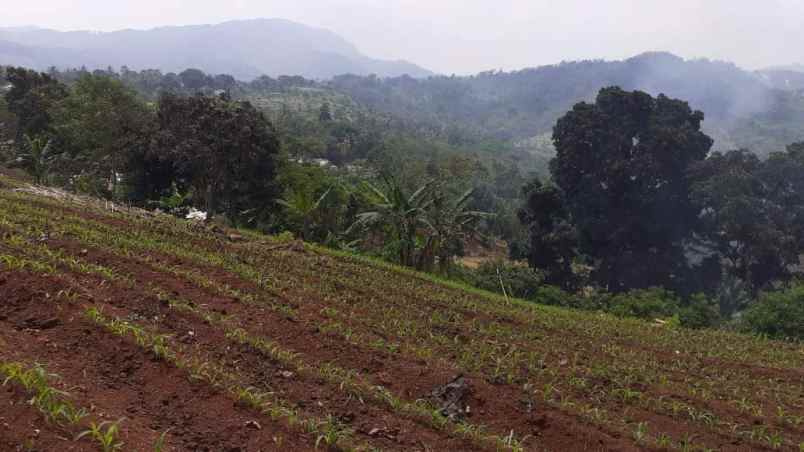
245 49
789 67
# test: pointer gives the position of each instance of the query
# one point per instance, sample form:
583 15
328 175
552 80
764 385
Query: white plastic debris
196 214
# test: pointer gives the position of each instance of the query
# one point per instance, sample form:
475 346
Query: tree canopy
31 99
226 151
621 166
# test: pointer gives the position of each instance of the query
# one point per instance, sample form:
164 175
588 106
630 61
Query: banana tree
36 157
403 214
303 205
450 224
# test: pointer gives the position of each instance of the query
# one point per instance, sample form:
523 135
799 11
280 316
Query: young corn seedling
159 445
641 432
775 440
50 401
330 431
252 397
664 441
104 434
513 444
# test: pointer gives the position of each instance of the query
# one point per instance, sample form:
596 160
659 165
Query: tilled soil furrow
121 381
498 407
346 267
497 423
312 297
22 427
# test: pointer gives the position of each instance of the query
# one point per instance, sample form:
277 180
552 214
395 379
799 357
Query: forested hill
762 111
245 49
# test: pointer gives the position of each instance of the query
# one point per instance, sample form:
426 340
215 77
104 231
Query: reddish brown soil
116 379
21 427
498 407
411 379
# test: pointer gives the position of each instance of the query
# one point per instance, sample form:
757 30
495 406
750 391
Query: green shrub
554 296
177 203
699 312
779 315
653 303
520 281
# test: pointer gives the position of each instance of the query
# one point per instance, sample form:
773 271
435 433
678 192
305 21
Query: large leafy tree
783 175
621 165
751 212
194 79
100 124
31 99
226 151
552 238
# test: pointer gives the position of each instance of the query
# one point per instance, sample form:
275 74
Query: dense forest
627 187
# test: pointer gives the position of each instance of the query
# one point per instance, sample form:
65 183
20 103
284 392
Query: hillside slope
760 111
237 341
245 49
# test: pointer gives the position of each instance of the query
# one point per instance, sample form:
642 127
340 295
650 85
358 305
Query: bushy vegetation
636 200
515 280
778 314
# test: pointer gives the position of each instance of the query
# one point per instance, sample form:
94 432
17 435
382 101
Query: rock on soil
451 398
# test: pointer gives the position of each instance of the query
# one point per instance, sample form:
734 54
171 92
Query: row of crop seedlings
37 382
498 361
577 324
649 372
328 431
57 408
746 349
564 404
658 368
132 242
389 319
349 381
431 415
503 363
502 358
462 429
179 227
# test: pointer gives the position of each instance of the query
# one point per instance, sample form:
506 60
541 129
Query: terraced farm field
147 333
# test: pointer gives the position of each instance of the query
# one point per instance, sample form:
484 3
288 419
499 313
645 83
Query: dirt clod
451 398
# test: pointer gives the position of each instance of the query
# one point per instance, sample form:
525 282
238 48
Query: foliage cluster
315 124
637 202
97 136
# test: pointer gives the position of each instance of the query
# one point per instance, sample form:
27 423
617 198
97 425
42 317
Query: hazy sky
466 36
